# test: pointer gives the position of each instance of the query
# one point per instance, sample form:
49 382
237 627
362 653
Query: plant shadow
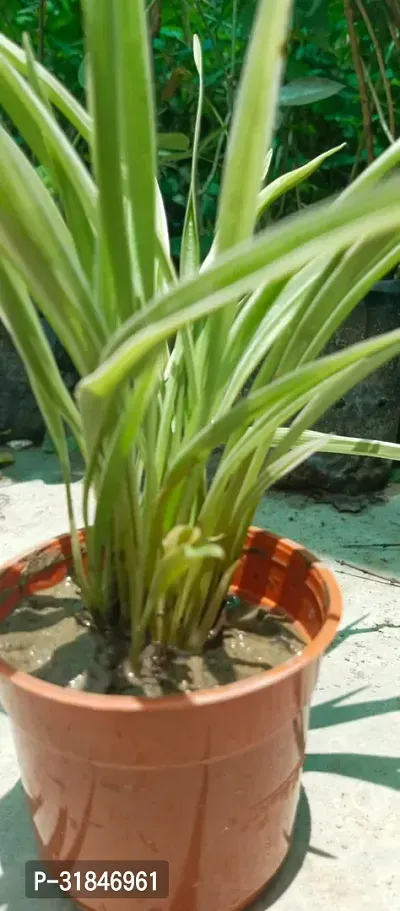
379 770
294 861
39 612
35 464
327 714
17 846
354 629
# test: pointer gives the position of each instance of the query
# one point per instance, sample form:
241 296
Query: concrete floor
345 854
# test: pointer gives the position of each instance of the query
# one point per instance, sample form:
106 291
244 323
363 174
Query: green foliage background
319 47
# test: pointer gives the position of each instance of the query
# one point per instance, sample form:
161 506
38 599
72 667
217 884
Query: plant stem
215 164
381 65
356 161
386 129
233 51
187 31
154 11
357 63
394 8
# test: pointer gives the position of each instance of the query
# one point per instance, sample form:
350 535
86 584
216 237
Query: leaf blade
137 126
301 92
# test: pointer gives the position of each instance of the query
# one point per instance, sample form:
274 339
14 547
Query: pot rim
107 702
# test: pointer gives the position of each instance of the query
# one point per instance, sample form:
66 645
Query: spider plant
164 355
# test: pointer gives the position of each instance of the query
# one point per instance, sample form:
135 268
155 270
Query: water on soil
46 636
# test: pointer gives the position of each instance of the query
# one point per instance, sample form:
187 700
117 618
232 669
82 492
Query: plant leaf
308 91
190 251
57 94
103 68
253 117
302 381
35 239
287 182
357 446
277 253
173 142
137 130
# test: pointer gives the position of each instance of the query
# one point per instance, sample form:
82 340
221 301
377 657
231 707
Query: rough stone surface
20 417
371 409
344 854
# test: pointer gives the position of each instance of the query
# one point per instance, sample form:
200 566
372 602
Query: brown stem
375 98
187 31
395 36
355 53
381 64
214 166
213 36
394 9
357 158
155 17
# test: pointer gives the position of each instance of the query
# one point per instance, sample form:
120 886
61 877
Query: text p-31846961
96 879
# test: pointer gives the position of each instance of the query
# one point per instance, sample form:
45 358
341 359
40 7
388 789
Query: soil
48 635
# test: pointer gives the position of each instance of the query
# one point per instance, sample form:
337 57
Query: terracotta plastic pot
207 781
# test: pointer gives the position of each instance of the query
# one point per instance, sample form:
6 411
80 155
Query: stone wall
20 417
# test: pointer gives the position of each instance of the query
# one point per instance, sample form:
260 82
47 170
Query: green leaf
137 128
164 357
173 142
190 235
103 65
276 253
252 128
356 446
57 94
287 182
337 386
35 239
43 134
304 380
370 177
250 138
131 411
69 176
372 270
308 91
345 284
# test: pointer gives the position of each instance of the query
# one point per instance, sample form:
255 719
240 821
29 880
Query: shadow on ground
379 770
16 849
295 859
327 714
354 629
35 464
365 542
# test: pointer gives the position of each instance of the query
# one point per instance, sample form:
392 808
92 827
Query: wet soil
46 635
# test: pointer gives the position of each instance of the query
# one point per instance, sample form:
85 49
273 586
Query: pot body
208 781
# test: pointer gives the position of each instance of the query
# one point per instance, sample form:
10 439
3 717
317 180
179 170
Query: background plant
163 358
319 49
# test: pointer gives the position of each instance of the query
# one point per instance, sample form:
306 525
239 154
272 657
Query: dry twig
358 67
381 65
